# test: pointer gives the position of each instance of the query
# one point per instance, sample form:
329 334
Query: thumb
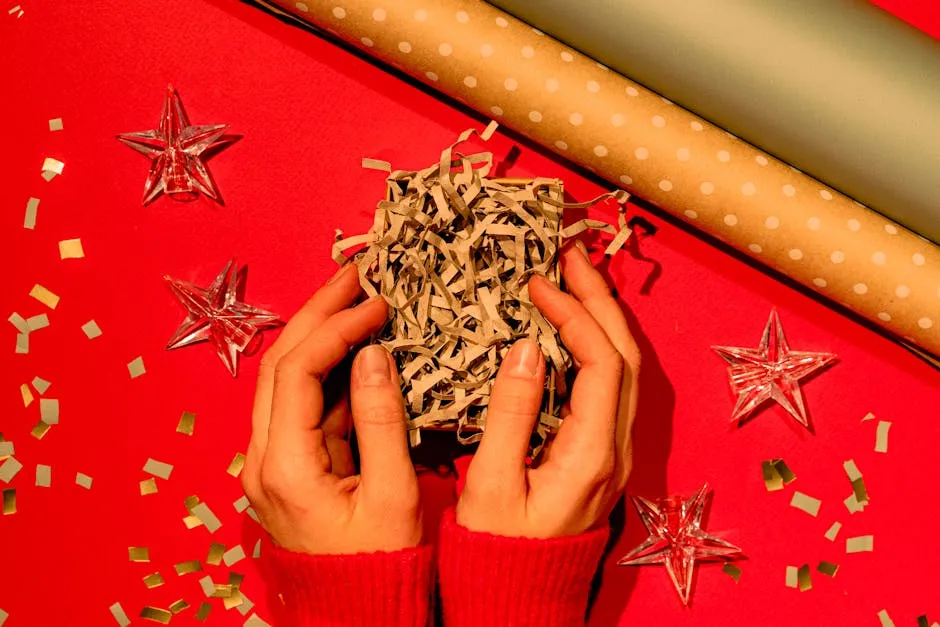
513 409
378 412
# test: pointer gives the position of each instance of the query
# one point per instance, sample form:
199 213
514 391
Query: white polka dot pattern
661 152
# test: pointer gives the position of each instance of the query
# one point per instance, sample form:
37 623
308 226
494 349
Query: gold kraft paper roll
508 71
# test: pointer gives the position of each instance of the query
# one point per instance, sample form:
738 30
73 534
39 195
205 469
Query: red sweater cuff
366 589
515 582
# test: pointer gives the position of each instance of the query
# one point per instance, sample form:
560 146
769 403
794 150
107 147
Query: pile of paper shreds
452 252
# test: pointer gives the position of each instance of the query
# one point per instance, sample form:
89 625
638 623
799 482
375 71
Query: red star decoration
770 371
677 540
177 151
218 316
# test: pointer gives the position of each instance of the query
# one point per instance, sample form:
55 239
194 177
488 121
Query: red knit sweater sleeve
363 590
515 582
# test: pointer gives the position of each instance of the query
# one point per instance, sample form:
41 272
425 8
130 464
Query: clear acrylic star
677 539
177 152
217 315
770 371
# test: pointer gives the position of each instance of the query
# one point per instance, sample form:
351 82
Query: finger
591 427
512 412
340 292
336 424
297 407
378 412
590 288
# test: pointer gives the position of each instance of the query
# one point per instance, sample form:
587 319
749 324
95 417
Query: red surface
308 112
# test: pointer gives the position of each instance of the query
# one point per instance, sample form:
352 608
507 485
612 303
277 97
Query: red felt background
308 112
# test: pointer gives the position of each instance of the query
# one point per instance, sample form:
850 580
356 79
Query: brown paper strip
565 101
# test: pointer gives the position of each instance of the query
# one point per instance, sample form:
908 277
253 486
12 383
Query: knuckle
377 413
274 479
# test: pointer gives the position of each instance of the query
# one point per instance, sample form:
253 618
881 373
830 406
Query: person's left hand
299 472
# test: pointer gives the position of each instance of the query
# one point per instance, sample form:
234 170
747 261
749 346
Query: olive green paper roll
838 88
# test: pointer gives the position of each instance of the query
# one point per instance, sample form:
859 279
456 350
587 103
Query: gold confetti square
9 501
885 619
26 394
852 504
235 468
154 581
860 544
803 578
255 621
37 322
806 503
184 568
22 343
71 249
158 469
52 165
3 617
241 504
833 531
138 554
208 587
784 471
9 469
215 554
792 579
828 568
187 423
234 555
234 599
860 491
773 482
55 124
203 613
43 475
148 487
209 519
49 410
120 615
178 606
41 385
256 552
881 436
91 329
136 367
83 480
732 571
192 522
19 322
6 449
156 614
40 430
32 210
44 296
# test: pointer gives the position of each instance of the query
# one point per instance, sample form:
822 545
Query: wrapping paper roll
503 68
838 88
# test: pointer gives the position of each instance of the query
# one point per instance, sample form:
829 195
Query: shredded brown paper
452 251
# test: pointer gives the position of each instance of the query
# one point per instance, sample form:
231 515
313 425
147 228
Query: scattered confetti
241 504
204 514
828 568
51 167
215 554
138 554
252 514
154 581
868 416
255 621
729 569
203 612
40 430
91 329
158 469
22 343
148 487
881 436
791 579
119 615
49 410
187 423
41 385
858 482
156 614
55 124
83 480
71 249
806 503
256 552
833 531
26 395
803 578
852 504
32 209
3 617
6 448
44 296
246 604
885 619
178 606
43 475
922 621
192 522
136 367
860 544
208 588
9 469
235 468
19 322
184 568
35 323
234 555
776 474
9 501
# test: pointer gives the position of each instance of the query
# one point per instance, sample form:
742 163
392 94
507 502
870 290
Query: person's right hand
583 471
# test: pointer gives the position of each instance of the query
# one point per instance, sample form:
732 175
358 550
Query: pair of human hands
299 472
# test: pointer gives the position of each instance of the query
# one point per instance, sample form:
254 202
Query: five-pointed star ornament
770 371
677 540
217 315
177 152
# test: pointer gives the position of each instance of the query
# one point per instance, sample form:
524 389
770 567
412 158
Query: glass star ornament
677 539
770 372
217 315
178 151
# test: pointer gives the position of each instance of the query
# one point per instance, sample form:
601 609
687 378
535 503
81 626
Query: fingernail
580 246
373 366
523 359
343 270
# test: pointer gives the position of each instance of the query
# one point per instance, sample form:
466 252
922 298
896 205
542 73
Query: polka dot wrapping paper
506 70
